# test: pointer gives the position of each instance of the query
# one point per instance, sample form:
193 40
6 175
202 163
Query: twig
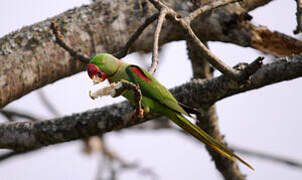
208 7
184 22
47 104
135 36
160 22
120 54
138 97
111 158
59 39
269 156
9 114
299 17
251 68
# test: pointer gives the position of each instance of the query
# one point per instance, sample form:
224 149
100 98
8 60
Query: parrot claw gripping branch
142 85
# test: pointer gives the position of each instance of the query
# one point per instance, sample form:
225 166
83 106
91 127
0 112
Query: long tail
204 137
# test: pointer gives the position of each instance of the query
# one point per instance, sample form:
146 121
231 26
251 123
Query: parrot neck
118 67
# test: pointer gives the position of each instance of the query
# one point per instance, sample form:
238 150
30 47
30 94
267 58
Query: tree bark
198 93
30 58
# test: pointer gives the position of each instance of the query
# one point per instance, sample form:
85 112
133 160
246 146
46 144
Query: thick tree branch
37 60
232 25
31 135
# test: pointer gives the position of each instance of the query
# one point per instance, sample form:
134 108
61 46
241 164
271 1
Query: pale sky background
267 119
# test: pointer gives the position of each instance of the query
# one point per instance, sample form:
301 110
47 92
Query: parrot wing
151 88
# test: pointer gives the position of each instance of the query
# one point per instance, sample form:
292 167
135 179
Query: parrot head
102 66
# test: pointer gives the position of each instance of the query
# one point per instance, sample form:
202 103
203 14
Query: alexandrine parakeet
155 97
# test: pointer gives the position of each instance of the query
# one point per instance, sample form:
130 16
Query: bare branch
208 7
47 104
185 22
275 43
268 156
211 58
135 36
137 95
31 135
10 114
33 52
160 22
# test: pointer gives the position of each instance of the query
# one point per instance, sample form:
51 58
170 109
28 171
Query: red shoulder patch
140 74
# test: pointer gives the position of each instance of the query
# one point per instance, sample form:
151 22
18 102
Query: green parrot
155 97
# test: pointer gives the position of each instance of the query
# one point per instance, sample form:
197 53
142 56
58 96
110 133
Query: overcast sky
267 119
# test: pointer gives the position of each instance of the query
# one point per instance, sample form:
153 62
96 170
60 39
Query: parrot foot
137 113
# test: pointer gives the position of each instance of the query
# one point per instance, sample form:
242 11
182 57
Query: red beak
92 70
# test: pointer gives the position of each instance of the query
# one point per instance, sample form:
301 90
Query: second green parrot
155 97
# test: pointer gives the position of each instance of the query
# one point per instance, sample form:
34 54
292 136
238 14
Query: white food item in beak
105 91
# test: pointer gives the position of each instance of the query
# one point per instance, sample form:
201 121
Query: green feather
154 90
157 99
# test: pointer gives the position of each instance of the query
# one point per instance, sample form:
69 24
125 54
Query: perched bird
155 97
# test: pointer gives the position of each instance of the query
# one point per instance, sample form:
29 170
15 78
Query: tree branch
10 114
184 23
160 22
268 156
135 36
50 107
207 7
208 120
38 60
31 135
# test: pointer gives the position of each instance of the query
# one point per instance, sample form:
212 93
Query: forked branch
185 22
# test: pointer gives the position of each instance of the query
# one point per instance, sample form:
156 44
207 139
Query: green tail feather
205 138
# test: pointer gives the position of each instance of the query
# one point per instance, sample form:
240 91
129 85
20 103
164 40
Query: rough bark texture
30 58
198 93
